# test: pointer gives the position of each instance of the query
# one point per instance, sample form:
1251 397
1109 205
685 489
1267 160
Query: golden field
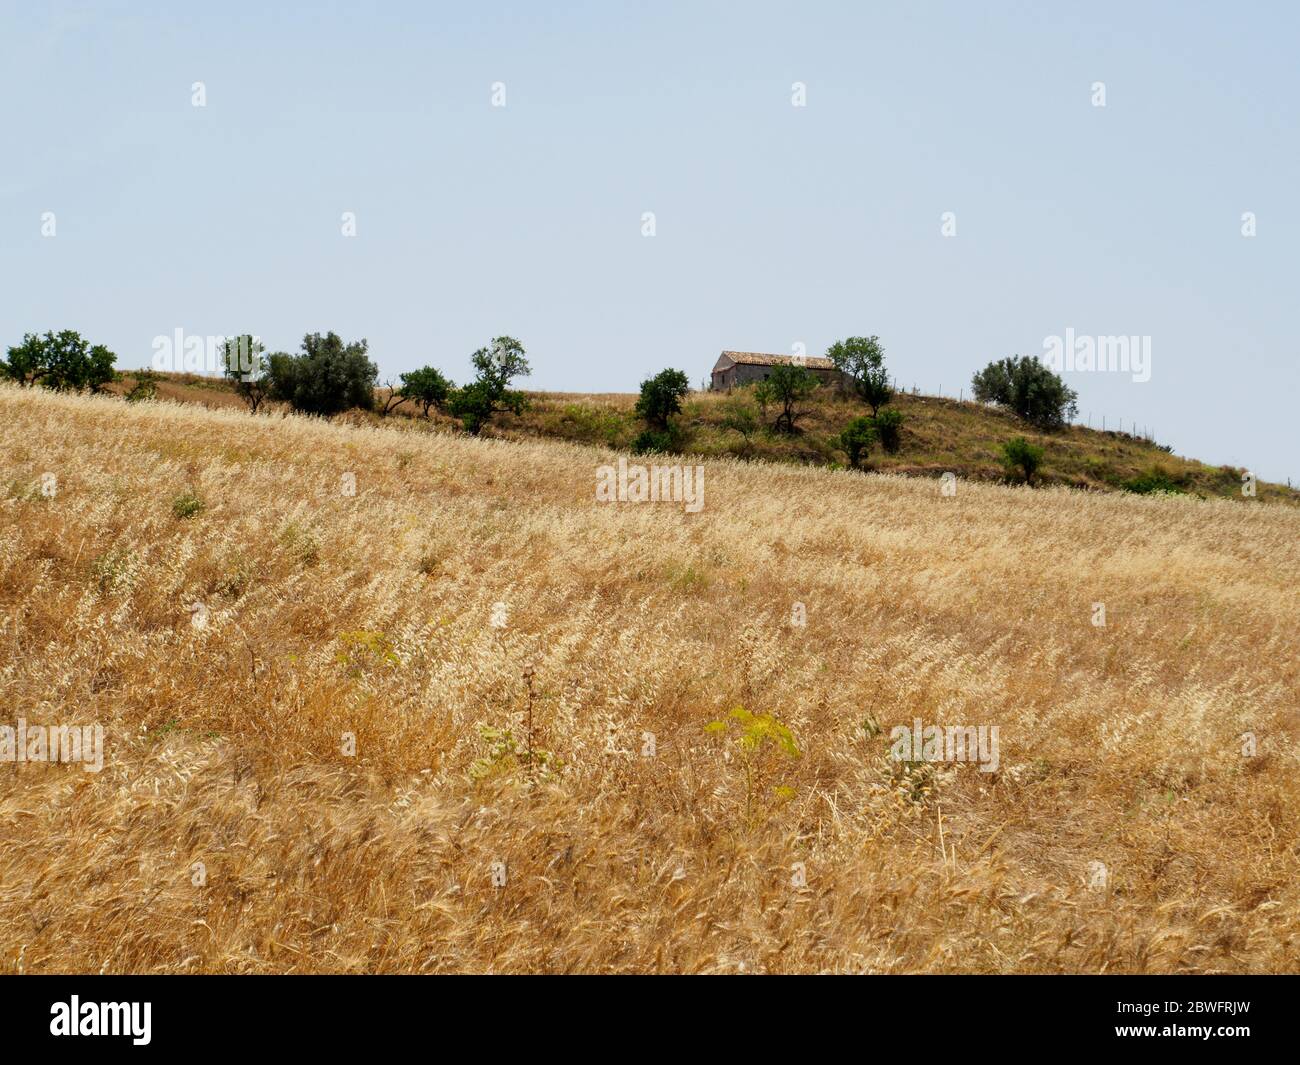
230 830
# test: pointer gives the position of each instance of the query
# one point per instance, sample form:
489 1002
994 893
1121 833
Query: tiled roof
755 358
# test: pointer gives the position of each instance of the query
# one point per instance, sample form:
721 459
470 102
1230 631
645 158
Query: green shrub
888 425
761 745
114 569
667 441
301 544
364 650
1154 480
505 755
1019 455
186 505
145 387
856 440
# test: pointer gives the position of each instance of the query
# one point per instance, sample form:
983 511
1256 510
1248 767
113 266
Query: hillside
378 701
939 435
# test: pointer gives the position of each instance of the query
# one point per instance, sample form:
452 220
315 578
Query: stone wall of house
746 373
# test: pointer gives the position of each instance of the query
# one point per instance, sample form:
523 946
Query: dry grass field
204 585
938 435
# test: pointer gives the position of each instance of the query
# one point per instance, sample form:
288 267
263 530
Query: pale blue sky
776 225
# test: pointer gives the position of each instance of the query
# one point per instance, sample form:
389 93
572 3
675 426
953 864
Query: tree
790 386
62 361
1029 389
856 440
391 399
1020 454
888 426
863 360
738 416
490 391
327 378
426 387
246 368
661 397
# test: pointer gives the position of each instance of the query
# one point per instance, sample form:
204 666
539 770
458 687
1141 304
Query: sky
626 187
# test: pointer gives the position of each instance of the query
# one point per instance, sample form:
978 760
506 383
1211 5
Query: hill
395 701
940 435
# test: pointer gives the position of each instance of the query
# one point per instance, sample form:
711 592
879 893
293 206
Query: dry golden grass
939 435
371 614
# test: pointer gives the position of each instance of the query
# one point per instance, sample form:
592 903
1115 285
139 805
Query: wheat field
382 700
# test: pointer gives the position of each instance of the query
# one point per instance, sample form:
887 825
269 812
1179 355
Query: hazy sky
774 224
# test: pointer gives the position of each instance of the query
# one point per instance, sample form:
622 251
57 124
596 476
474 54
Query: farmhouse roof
755 358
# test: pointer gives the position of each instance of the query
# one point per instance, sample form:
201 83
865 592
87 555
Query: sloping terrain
396 701
939 435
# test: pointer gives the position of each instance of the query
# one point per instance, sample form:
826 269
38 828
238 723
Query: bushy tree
863 360
888 425
790 386
62 361
1028 388
1019 455
427 387
856 440
246 367
661 397
327 378
489 392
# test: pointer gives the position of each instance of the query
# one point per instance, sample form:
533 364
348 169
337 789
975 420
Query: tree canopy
1028 388
63 361
327 378
863 360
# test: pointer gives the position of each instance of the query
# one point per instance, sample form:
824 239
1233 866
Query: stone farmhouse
735 368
